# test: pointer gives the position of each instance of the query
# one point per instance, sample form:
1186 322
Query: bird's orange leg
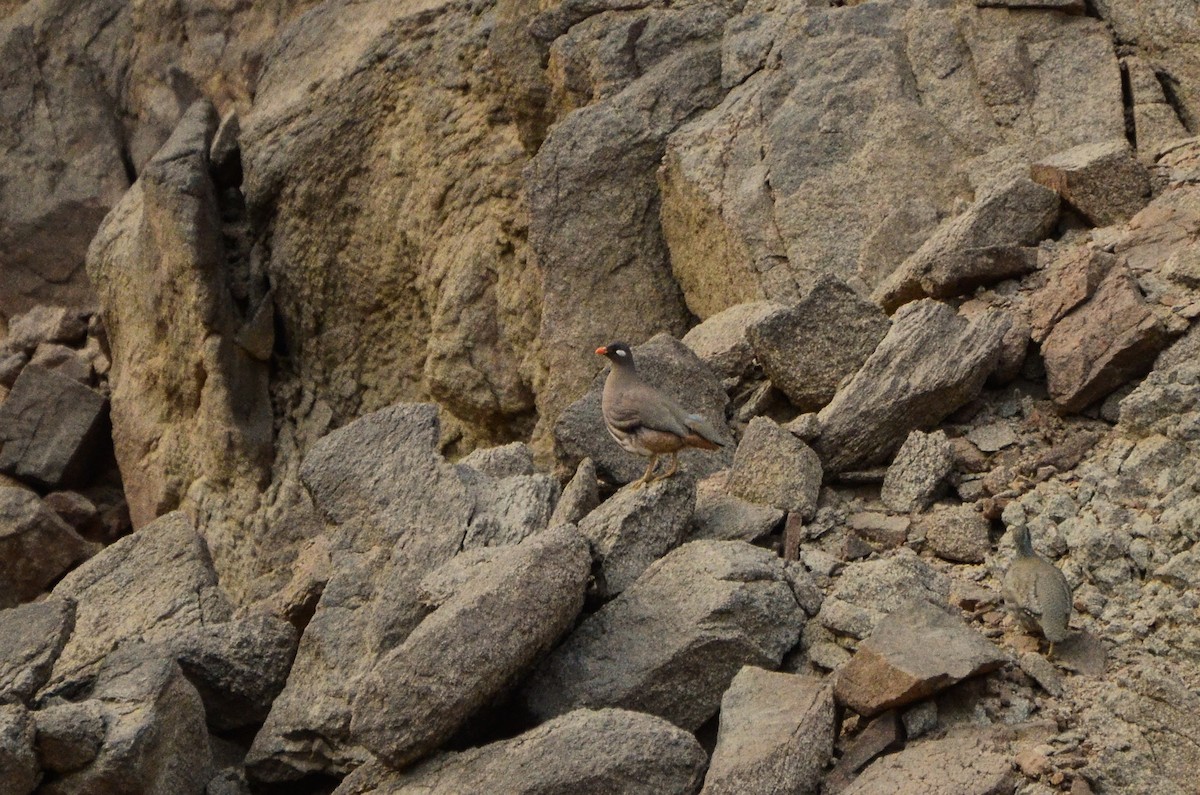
674 468
637 484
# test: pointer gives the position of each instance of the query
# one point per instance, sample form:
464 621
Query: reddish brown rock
1112 338
1072 279
880 734
913 653
972 763
1104 181
36 547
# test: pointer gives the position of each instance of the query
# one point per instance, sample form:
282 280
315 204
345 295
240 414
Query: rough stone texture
810 347
672 642
401 511
978 247
36 547
966 763
931 362
69 735
64 361
880 734
843 139
776 735
509 611
149 586
721 341
509 509
869 590
720 516
238 667
636 527
1104 181
915 475
189 406
1102 344
31 638
913 653
18 763
1155 122
579 497
53 324
505 461
51 428
155 739
957 533
773 467
1071 280
77 511
669 366
590 752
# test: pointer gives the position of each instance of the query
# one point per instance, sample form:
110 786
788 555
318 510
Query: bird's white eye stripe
620 353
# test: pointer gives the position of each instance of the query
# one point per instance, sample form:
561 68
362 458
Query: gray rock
155 738
506 613
1103 343
41 324
913 653
879 529
508 509
64 361
11 365
238 667
776 735
868 590
579 497
957 533
672 642
590 752
36 547
918 471
149 586
981 246
502 462
636 527
879 735
671 367
51 428
1104 181
1068 6
720 516
31 638
69 735
402 511
965 763
77 511
993 437
19 773
810 347
1043 672
920 719
1156 123
773 467
722 341
931 362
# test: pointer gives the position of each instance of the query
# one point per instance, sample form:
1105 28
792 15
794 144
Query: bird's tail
704 435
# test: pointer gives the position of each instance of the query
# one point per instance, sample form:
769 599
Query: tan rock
965 763
1104 181
913 653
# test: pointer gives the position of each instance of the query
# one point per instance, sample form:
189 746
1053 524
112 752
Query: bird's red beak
602 351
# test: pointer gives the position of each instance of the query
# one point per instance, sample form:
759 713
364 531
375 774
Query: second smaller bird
1036 591
646 422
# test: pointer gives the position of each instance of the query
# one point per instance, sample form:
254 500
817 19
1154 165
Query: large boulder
1104 181
19 770
868 590
931 362
36 547
149 586
636 527
590 752
773 467
981 246
671 367
671 643
155 738
776 735
492 622
808 348
191 405
722 341
52 429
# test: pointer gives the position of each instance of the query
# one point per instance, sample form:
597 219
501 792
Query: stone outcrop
694 618
36 547
1104 181
931 362
773 467
31 637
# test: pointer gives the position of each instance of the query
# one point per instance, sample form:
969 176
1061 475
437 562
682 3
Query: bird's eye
620 353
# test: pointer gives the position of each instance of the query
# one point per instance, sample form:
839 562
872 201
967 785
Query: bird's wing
652 409
702 427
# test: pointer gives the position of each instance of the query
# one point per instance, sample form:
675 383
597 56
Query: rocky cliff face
302 479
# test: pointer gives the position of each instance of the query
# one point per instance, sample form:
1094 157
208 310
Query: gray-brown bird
1037 592
646 422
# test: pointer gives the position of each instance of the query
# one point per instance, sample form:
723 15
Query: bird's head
616 352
